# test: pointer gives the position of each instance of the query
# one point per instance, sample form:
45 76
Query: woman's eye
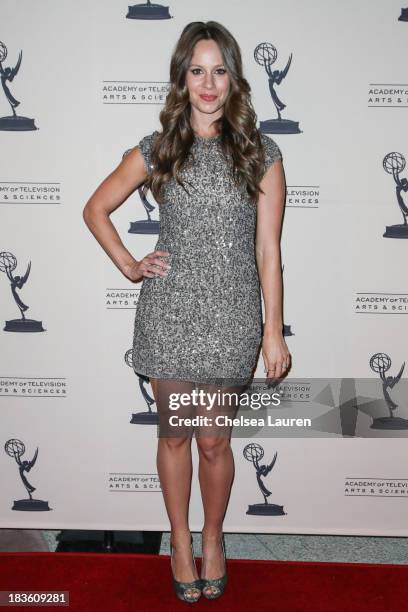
196 71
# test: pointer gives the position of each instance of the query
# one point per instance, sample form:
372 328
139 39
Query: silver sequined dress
202 322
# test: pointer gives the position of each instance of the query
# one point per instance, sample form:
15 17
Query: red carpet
125 582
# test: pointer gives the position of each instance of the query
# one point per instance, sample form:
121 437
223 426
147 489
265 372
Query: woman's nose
209 81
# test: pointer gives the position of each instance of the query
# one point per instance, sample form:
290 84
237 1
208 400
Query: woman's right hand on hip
150 266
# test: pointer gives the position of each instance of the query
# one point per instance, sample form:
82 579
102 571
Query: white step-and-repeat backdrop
81 84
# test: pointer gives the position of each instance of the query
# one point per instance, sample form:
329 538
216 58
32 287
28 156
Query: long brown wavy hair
237 126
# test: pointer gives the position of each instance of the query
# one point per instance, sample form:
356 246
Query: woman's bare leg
216 474
174 465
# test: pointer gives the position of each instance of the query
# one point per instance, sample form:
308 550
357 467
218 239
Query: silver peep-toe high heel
186 591
213 588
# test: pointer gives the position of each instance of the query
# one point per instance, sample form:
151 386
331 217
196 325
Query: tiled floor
293 547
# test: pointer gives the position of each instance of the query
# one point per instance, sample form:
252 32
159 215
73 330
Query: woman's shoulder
270 147
145 147
147 140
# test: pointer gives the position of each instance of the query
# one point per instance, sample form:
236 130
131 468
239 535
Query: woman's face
207 79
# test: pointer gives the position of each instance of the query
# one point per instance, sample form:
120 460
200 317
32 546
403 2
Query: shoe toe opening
212 590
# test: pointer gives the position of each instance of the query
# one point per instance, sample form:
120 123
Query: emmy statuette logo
145 226
254 452
148 417
394 163
8 263
15 448
265 55
12 123
381 363
404 15
148 10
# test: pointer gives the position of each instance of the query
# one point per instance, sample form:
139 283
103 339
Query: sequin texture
202 322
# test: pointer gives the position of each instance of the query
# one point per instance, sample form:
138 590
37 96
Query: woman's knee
212 447
174 443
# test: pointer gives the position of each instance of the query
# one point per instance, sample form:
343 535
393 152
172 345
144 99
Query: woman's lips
207 98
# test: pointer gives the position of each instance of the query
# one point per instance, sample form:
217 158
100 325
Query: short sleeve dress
203 321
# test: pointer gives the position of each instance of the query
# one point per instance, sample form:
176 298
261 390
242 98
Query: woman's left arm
270 208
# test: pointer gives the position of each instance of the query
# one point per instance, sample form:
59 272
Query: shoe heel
189 592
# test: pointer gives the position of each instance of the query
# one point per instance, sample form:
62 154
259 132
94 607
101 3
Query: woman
220 187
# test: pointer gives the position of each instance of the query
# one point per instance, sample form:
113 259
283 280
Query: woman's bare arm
111 193
269 223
